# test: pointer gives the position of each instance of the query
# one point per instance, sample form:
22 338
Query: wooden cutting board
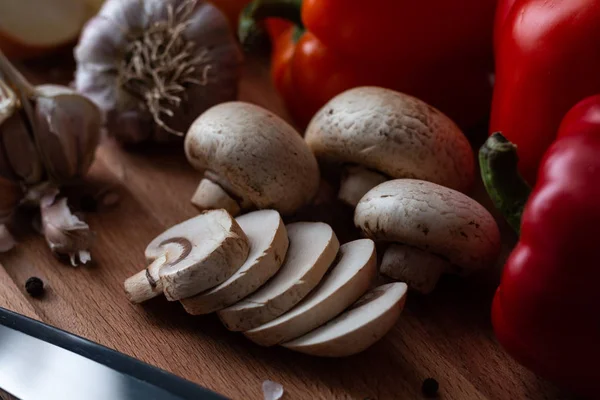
446 335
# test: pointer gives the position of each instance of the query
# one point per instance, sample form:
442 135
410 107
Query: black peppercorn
34 287
430 387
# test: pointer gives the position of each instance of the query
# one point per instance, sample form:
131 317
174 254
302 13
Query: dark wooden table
446 335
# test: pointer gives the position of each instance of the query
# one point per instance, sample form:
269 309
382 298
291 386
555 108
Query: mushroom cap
393 133
254 155
269 242
363 324
433 218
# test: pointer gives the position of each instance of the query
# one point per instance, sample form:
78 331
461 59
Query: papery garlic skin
65 233
104 66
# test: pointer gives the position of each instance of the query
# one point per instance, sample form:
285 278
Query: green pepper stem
251 31
508 190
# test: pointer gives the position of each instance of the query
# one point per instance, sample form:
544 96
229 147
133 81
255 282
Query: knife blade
38 361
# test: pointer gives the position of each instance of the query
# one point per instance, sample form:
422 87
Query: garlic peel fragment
65 233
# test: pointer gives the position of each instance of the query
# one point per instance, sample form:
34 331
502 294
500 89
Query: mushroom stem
139 288
509 192
419 269
211 195
356 182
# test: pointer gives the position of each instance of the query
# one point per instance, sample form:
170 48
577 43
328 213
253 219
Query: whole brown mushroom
250 158
431 230
379 134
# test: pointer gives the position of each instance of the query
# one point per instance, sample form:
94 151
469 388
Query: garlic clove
18 158
68 131
19 150
64 232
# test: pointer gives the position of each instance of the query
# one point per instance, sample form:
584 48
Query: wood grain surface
446 335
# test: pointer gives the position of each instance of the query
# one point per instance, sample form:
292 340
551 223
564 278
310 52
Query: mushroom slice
442 230
380 134
359 327
343 285
190 257
313 247
251 158
268 245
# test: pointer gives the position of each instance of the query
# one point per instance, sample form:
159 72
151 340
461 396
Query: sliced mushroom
363 324
251 158
439 230
268 245
313 247
190 257
380 134
347 281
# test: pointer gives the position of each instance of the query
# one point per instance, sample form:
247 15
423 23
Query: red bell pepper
433 50
547 59
504 7
546 309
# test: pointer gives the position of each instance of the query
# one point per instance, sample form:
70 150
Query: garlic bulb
48 137
153 66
